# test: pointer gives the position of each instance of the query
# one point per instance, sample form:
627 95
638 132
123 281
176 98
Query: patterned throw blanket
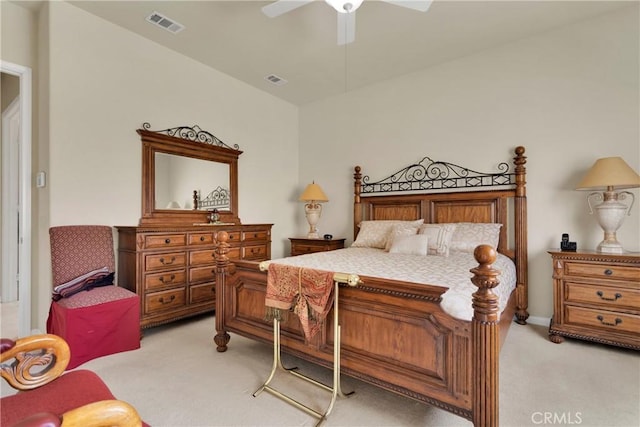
306 292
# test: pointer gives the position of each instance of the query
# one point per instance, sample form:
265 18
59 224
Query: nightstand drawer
600 271
301 249
608 296
603 319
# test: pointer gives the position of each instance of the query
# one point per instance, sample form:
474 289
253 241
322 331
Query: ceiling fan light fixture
344 6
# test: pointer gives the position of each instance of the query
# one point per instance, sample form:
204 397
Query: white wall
569 96
105 82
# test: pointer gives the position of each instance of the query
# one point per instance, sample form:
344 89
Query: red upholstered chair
100 321
47 396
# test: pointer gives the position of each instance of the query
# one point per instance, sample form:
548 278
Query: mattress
451 272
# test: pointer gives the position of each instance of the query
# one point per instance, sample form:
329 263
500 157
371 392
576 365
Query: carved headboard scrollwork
178 161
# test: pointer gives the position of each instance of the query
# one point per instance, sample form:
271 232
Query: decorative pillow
374 234
88 281
468 235
415 244
439 237
399 230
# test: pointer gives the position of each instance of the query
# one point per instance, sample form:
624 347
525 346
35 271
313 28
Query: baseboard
541 321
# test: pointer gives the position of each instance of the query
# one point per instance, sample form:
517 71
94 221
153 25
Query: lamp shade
610 172
313 192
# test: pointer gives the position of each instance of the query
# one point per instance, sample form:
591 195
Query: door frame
24 211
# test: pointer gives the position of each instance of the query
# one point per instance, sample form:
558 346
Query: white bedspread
451 272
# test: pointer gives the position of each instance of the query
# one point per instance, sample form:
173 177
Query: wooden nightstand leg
557 339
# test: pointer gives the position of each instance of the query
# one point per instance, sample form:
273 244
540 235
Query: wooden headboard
442 192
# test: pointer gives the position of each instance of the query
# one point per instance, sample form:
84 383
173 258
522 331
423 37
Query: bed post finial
222 268
485 339
357 209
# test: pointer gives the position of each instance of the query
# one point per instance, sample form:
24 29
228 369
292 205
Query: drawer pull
255 236
608 272
163 262
202 238
615 297
167 302
601 319
167 241
171 279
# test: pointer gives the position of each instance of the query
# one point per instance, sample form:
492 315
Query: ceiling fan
346 12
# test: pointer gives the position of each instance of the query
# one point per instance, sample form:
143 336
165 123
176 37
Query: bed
396 333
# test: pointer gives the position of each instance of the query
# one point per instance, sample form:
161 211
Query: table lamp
313 195
610 174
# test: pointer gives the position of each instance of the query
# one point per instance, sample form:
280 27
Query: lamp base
313 235
610 247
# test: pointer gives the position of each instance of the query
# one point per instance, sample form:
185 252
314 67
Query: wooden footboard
394 335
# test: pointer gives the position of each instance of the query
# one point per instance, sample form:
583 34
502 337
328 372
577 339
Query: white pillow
415 244
468 235
439 237
374 234
399 230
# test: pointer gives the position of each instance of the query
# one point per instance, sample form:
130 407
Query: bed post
521 237
485 339
357 208
222 268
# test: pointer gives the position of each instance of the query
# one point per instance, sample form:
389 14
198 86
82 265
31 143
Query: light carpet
178 379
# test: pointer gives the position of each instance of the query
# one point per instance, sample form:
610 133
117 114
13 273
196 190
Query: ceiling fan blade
420 5
281 7
346 28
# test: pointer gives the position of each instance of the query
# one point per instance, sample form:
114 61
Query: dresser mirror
177 177
187 173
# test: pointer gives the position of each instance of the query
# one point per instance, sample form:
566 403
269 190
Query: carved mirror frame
187 142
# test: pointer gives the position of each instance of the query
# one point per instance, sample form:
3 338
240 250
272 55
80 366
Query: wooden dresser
172 268
596 298
302 245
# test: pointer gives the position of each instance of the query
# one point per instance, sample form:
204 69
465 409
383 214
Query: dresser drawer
202 274
234 236
603 319
164 261
164 240
165 279
195 239
248 236
607 296
165 300
614 272
202 293
203 257
254 252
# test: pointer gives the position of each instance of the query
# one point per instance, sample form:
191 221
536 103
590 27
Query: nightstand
300 246
596 297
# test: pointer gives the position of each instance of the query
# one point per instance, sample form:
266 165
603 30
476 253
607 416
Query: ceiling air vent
162 21
278 81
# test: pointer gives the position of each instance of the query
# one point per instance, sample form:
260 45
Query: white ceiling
235 37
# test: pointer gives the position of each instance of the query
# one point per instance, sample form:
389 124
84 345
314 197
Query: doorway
15 249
